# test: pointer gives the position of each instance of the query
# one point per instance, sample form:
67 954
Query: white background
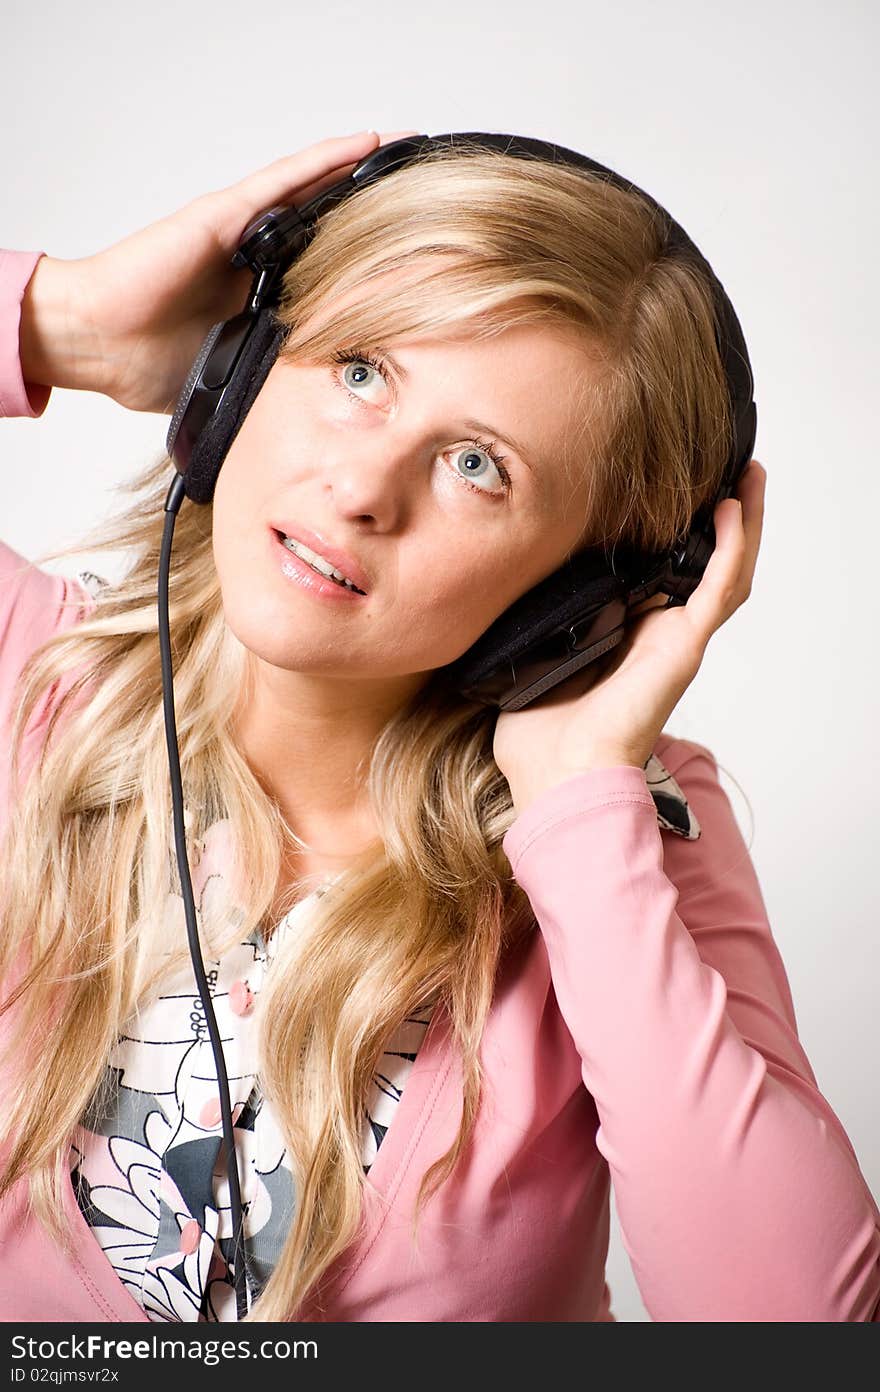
754 125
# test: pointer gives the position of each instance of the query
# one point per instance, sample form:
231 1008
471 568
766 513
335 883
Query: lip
301 573
316 542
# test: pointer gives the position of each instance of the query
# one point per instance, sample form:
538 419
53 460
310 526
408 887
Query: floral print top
148 1169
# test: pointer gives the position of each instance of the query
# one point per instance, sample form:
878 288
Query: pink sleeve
738 1192
17 398
33 603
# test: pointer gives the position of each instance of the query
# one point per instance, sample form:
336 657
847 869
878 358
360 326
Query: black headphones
574 615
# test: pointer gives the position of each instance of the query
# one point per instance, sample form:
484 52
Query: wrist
526 791
604 758
57 345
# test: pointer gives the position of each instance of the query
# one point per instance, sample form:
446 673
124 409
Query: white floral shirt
148 1168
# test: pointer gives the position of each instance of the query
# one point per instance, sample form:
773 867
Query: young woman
470 969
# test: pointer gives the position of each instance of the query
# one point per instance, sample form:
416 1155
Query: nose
379 475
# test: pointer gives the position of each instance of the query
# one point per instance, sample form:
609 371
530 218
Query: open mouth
317 563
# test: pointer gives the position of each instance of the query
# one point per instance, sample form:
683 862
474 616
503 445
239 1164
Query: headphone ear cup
541 630
183 401
255 361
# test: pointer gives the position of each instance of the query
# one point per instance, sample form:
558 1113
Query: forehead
528 382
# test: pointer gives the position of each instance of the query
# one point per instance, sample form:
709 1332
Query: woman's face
394 467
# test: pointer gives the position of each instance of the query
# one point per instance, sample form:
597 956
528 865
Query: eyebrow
475 425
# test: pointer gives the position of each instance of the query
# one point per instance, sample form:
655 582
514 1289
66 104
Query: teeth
318 562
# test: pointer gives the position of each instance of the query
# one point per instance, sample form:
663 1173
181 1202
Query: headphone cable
176 494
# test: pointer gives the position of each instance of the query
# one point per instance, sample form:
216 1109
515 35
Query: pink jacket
643 1037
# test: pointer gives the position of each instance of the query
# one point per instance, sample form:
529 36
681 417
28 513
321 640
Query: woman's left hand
587 722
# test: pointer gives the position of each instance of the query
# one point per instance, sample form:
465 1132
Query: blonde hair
479 241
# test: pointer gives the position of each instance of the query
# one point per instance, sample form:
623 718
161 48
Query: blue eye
358 372
475 467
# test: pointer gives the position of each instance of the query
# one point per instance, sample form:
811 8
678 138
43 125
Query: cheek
242 573
458 589
224 537
235 526
468 591
225 490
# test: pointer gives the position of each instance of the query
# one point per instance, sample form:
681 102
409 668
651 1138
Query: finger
718 593
294 179
390 136
293 172
741 520
232 208
305 195
294 175
751 492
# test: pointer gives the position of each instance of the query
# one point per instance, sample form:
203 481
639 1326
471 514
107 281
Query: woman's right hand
129 321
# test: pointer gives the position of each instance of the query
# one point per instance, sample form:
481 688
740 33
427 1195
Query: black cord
176 494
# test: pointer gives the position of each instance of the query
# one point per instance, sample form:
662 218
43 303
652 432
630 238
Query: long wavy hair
483 241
